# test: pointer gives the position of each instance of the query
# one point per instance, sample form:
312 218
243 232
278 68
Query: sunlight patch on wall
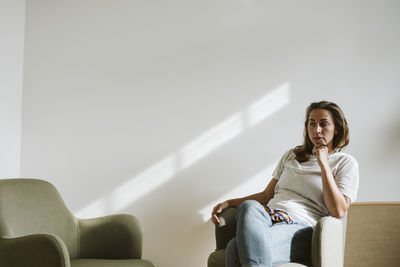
190 154
253 185
143 183
211 140
269 104
98 207
132 190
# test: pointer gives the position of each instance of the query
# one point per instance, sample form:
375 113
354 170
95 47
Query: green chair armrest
226 229
328 242
110 237
38 250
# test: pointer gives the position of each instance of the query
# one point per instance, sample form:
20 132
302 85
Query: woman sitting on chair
310 181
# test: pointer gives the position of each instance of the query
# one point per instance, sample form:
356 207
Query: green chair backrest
32 206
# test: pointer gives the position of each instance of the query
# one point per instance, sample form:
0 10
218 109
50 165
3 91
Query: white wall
160 108
12 26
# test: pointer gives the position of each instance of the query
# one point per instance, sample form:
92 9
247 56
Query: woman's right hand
217 210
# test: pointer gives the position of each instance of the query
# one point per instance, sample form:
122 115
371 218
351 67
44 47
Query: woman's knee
251 211
250 206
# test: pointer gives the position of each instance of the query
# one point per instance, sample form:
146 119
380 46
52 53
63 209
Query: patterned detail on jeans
278 215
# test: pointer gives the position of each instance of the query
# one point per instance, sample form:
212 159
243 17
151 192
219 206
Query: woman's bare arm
336 203
263 197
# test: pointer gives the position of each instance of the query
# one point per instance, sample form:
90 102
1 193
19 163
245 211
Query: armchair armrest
328 242
38 250
110 237
226 229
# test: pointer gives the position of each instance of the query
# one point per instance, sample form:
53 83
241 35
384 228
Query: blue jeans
260 242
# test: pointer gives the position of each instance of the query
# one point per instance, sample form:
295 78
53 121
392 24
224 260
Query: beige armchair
38 230
327 241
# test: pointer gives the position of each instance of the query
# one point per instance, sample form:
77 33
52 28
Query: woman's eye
323 124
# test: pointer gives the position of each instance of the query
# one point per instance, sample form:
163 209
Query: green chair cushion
113 263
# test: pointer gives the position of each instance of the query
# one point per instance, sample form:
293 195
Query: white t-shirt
299 188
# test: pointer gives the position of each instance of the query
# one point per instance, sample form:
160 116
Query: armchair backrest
31 206
373 234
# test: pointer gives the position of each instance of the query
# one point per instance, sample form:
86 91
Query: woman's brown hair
340 140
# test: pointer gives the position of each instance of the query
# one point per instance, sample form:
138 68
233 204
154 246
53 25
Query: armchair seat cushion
217 259
114 263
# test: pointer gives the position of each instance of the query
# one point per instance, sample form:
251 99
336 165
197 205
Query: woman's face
321 128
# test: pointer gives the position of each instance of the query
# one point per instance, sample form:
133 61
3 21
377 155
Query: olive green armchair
327 241
38 230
